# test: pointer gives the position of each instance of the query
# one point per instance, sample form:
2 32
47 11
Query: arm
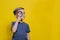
28 36
14 28
28 32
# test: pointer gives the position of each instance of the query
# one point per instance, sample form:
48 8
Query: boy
20 29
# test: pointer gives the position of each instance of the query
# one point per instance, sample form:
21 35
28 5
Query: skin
19 17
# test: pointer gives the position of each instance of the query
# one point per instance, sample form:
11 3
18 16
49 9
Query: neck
21 21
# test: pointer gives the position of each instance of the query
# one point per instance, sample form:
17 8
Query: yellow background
43 16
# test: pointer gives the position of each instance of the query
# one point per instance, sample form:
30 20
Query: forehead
21 10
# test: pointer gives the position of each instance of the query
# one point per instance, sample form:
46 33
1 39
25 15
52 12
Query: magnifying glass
20 14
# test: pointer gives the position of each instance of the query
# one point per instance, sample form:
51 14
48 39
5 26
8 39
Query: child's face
20 14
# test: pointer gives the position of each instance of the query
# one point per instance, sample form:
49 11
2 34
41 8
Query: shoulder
26 23
12 22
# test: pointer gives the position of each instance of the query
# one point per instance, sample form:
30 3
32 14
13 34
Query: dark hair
17 10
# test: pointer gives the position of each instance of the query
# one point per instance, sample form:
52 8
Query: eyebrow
21 12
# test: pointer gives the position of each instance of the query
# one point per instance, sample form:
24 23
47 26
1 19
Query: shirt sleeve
28 29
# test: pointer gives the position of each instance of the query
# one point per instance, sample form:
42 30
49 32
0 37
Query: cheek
23 17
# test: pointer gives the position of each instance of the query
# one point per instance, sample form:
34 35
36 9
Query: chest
21 28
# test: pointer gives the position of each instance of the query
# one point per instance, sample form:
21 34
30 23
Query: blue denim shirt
21 32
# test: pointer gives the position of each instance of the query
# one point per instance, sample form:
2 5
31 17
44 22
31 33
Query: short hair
17 10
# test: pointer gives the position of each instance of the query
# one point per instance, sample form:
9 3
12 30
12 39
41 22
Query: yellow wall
42 15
